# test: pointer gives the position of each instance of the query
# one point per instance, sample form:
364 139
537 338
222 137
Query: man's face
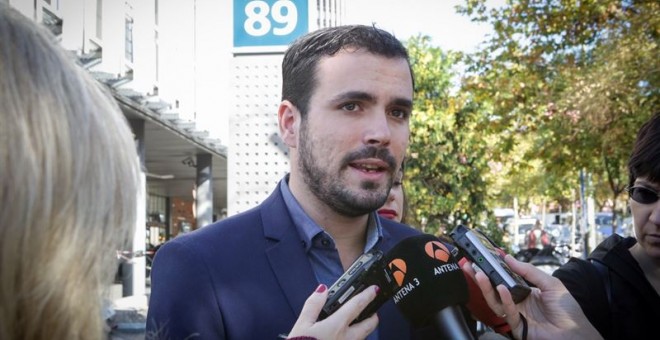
356 131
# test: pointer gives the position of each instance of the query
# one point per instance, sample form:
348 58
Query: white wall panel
257 158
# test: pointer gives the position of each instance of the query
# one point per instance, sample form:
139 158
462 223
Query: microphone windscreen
428 278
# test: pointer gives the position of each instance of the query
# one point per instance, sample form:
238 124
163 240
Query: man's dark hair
645 158
300 60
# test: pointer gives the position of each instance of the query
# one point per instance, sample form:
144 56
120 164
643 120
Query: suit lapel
286 254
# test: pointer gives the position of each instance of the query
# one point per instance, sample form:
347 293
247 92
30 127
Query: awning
171 146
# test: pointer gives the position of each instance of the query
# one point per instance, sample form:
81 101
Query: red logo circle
437 250
398 270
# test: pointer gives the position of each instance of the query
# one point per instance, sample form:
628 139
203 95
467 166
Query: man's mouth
371 160
368 167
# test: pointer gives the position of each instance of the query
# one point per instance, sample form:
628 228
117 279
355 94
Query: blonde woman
69 174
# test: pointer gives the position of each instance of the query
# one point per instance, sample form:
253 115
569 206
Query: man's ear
288 118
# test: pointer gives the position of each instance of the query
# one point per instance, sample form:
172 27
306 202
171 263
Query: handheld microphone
479 308
431 285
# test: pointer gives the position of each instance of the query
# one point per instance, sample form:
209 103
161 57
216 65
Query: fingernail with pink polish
321 288
377 289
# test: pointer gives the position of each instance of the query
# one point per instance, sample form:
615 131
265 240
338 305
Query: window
157 55
99 19
129 39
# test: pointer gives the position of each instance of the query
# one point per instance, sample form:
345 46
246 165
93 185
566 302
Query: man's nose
378 130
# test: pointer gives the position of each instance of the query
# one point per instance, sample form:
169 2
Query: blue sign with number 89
269 22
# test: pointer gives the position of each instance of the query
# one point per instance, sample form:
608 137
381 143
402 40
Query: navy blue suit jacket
245 277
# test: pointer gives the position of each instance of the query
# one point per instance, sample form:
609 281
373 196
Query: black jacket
618 299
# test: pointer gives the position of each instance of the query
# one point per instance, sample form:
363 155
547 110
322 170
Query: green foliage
560 87
447 154
566 84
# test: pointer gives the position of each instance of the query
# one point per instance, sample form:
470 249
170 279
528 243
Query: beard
330 189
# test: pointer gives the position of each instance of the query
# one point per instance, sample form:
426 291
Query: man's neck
348 232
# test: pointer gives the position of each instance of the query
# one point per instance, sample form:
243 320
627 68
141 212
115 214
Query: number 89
283 12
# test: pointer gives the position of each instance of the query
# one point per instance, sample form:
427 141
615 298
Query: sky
435 18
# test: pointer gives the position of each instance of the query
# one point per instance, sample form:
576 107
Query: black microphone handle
451 324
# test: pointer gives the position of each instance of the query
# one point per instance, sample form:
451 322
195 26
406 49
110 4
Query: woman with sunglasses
618 286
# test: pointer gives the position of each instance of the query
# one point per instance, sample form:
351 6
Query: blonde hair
68 188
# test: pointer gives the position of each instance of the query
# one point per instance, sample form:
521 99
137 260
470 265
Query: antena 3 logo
434 249
398 270
437 250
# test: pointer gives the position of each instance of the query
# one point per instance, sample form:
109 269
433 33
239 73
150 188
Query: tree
446 161
574 78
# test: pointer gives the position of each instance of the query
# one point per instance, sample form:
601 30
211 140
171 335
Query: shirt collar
308 229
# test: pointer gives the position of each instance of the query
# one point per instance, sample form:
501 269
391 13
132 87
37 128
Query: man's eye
350 107
396 184
399 114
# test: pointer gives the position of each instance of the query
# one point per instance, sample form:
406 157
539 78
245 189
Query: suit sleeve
183 303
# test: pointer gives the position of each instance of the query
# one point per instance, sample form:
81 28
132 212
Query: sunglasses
643 195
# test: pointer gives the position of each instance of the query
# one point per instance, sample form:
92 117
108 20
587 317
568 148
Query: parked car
503 216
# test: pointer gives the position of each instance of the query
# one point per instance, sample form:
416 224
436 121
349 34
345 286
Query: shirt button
325 242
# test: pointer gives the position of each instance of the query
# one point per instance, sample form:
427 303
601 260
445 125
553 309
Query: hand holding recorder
369 269
339 325
478 306
479 249
548 312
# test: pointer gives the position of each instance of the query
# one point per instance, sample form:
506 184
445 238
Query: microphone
479 308
431 285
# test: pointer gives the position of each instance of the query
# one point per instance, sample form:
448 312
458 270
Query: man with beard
346 101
